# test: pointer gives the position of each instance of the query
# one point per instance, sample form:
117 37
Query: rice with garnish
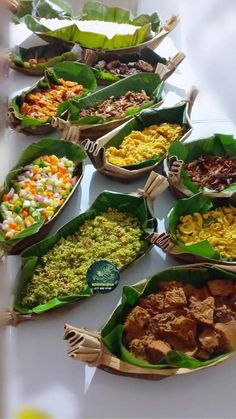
109 29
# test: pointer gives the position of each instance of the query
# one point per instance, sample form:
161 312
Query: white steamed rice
109 29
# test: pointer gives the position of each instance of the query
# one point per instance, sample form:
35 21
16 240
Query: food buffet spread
181 319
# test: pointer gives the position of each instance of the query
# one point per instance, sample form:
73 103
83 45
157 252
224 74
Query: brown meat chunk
161 323
138 349
139 316
203 355
178 344
227 332
209 340
223 314
232 302
221 301
175 298
156 350
221 287
202 311
169 285
199 293
144 66
136 323
154 303
185 329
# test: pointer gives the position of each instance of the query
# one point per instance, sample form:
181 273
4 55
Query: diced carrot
13 225
5 197
24 213
62 169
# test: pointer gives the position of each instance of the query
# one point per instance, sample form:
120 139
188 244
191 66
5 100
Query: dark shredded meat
116 108
198 321
121 69
212 172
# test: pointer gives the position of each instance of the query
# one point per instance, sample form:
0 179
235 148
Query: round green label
103 276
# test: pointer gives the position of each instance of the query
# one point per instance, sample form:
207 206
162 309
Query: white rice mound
109 29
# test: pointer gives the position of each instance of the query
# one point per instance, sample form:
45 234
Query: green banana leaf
44 147
32 256
54 53
68 71
217 145
146 54
43 8
112 332
94 10
149 82
196 203
173 115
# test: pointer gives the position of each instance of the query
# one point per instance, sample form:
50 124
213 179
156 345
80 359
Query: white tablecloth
41 375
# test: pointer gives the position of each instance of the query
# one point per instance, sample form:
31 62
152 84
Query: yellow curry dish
140 146
217 226
41 104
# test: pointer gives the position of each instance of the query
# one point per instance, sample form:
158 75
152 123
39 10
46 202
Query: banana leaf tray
52 53
180 154
76 129
39 230
139 204
150 32
104 349
68 71
179 114
161 66
201 251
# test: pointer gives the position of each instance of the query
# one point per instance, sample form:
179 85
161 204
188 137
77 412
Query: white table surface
39 372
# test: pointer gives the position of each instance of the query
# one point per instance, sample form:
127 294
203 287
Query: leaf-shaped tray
201 251
72 71
40 8
165 68
51 54
39 230
138 204
148 28
179 114
76 129
179 154
105 350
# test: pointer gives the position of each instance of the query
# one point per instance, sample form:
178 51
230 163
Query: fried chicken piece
227 332
185 329
138 349
156 350
199 293
209 340
135 323
175 298
221 287
202 311
154 303
161 323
